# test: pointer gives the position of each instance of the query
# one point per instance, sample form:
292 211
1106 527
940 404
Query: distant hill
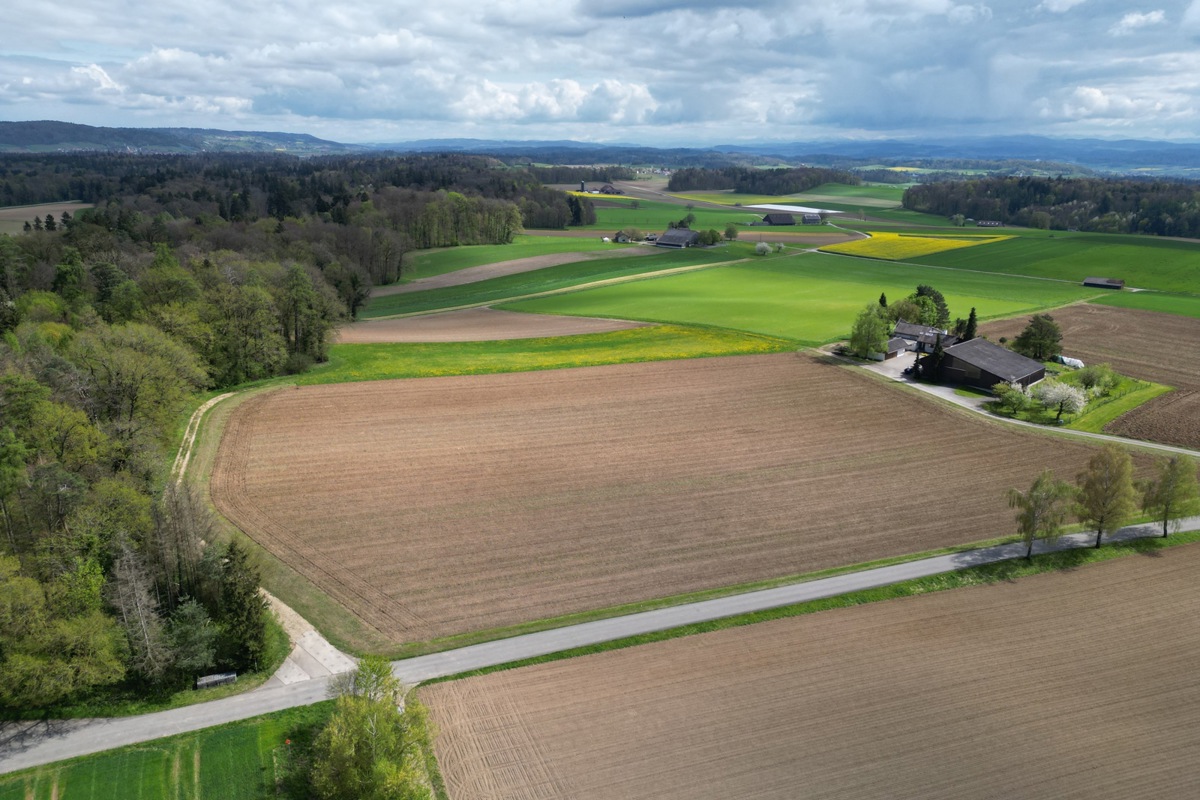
48 137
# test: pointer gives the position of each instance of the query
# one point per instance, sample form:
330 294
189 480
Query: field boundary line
565 289
179 466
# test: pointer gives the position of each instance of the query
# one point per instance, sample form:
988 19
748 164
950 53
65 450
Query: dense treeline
1091 204
192 273
560 174
758 181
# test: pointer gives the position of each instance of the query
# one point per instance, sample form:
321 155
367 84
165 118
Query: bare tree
131 593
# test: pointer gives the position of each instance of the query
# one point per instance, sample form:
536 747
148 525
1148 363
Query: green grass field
549 278
809 298
1185 305
1143 262
370 362
427 263
239 761
652 216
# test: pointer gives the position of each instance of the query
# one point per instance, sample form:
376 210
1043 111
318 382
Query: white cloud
1059 6
1134 21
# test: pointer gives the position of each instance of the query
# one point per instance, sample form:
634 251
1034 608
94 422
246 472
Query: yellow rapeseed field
899 246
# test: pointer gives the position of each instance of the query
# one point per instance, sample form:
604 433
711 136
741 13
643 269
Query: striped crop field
898 246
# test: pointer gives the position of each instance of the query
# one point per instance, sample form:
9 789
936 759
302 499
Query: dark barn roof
1104 283
678 237
896 344
995 360
779 219
911 330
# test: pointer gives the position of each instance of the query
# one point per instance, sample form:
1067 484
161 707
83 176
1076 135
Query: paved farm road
42 743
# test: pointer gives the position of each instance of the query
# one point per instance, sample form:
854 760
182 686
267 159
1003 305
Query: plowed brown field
1164 348
439 506
1068 685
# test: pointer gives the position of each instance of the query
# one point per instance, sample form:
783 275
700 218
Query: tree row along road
33 744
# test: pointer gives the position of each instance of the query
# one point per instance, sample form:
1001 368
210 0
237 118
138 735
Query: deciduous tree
1041 339
1042 510
1172 494
1106 498
870 332
1062 397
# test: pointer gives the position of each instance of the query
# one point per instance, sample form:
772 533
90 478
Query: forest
744 180
191 274
1163 208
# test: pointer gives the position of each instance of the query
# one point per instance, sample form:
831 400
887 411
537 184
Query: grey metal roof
999 361
910 330
678 237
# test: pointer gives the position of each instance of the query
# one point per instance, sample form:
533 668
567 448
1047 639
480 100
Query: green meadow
370 362
1185 305
653 216
1143 262
427 263
808 298
239 761
547 279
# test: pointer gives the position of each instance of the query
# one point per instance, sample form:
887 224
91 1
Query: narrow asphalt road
26 745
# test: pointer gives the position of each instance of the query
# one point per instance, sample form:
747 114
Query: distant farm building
678 238
779 218
608 188
1104 283
989 223
620 237
982 364
812 219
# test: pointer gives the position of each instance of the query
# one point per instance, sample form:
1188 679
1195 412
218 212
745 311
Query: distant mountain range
1122 156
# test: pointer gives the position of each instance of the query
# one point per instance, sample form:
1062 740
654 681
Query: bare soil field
501 268
1164 348
475 325
437 506
13 218
1067 685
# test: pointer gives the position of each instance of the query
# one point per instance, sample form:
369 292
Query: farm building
922 338
989 223
812 219
895 347
982 364
621 237
678 238
779 218
608 188
1104 283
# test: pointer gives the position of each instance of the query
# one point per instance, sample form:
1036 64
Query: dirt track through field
438 506
1069 685
1164 348
475 325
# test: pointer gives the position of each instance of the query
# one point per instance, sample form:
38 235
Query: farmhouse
922 338
982 364
1104 283
779 218
678 238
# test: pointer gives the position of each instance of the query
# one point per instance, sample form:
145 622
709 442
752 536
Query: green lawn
541 280
1185 305
367 362
427 263
242 760
652 216
1143 262
808 298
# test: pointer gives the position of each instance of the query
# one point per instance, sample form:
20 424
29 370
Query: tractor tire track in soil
441 506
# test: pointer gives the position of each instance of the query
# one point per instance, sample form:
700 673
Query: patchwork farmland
1143 344
444 506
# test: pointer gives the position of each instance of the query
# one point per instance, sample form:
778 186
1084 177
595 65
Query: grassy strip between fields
368 362
1009 570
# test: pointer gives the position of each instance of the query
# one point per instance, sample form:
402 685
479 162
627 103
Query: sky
655 72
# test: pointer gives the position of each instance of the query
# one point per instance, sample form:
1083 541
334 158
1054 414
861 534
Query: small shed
779 219
216 679
678 238
1104 283
895 347
982 364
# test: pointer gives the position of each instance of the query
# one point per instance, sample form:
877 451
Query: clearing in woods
445 506
1163 348
1071 684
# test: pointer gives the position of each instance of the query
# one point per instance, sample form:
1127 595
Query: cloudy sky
662 72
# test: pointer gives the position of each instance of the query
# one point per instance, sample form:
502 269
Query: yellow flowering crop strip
900 246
